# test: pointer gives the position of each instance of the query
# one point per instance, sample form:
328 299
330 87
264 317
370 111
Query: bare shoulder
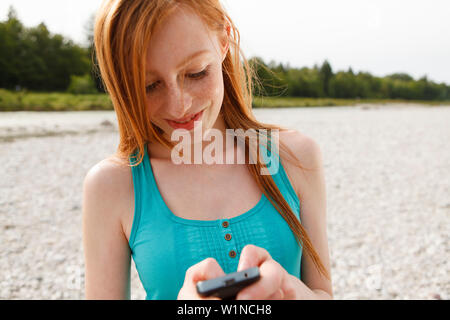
110 184
108 170
309 154
109 175
305 148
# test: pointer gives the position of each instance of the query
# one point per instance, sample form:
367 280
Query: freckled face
176 88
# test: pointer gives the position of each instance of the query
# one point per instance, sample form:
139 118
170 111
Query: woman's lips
188 125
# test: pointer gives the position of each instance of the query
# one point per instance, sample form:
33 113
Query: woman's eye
198 75
151 87
193 76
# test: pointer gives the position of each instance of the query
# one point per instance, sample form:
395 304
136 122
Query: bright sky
381 37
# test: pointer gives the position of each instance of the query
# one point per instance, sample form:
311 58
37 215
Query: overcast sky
381 37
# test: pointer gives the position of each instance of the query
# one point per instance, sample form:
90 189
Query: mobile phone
227 287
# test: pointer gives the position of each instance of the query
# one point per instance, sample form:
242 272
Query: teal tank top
164 246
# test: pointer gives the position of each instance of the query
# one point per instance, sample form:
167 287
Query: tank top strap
145 191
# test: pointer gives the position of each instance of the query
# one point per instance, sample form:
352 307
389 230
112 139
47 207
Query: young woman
165 62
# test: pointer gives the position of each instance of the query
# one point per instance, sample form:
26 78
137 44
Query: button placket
229 243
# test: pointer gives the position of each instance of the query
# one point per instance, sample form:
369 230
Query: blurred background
369 81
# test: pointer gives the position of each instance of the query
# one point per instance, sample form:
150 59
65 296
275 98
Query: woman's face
184 73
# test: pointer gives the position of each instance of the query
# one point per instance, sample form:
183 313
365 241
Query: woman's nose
179 102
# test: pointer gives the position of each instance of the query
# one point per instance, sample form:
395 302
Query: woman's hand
275 282
204 270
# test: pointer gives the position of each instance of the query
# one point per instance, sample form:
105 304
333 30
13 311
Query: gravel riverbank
388 198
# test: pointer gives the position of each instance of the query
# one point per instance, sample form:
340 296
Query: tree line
322 82
36 60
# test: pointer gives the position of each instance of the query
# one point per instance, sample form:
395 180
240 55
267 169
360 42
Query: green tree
326 73
11 50
270 79
82 85
35 59
344 85
89 35
400 76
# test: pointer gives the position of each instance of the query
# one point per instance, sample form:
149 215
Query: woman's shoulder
110 184
306 150
110 173
300 144
303 146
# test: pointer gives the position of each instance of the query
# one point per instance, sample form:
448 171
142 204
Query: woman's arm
106 250
311 189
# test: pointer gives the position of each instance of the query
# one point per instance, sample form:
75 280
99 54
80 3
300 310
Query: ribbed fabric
164 246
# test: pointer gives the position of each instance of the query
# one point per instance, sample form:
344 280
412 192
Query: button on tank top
164 246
